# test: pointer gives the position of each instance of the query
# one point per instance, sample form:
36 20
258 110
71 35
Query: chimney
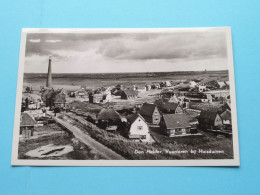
49 78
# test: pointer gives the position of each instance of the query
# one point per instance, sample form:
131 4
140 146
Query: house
150 113
169 107
129 94
207 98
108 118
165 84
168 84
166 94
141 88
60 100
119 87
209 120
202 88
95 98
81 93
155 86
139 129
148 87
134 87
226 117
175 124
107 98
221 84
26 125
71 93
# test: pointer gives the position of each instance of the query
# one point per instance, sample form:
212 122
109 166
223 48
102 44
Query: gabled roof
26 120
165 105
208 117
108 114
173 121
134 117
147 109
130 92
226 115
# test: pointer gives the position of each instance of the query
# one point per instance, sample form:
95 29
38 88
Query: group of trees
49 97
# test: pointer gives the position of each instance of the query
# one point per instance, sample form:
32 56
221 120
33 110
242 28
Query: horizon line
126 72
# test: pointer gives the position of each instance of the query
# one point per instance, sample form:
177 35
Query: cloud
167 46
77 52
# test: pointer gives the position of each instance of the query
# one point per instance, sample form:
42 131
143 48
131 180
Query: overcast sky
125 52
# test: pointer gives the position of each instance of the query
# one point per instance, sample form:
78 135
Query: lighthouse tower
49 78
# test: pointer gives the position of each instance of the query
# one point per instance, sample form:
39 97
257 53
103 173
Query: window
139 127
178 130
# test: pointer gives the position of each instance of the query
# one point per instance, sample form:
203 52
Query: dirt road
95 145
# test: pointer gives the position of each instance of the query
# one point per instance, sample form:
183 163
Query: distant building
60 100
148 87
119 87
209 120
175 124
168 84
26 125
221 84
95 98
129 94
81 93
165 84
150 113
134 87
202 88
139 129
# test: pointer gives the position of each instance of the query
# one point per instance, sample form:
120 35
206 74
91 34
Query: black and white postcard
126 97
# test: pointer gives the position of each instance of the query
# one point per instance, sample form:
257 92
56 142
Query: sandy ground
49 151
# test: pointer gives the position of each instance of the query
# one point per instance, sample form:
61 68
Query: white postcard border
210 162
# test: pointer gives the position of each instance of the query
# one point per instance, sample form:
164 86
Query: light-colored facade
139 129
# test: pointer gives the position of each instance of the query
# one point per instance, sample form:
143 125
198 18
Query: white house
139 129
221 84
202 88
107 98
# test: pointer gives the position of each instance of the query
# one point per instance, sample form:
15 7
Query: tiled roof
130 92
226 115
147 109
164 105
207 117
173 121
26 120
134 117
